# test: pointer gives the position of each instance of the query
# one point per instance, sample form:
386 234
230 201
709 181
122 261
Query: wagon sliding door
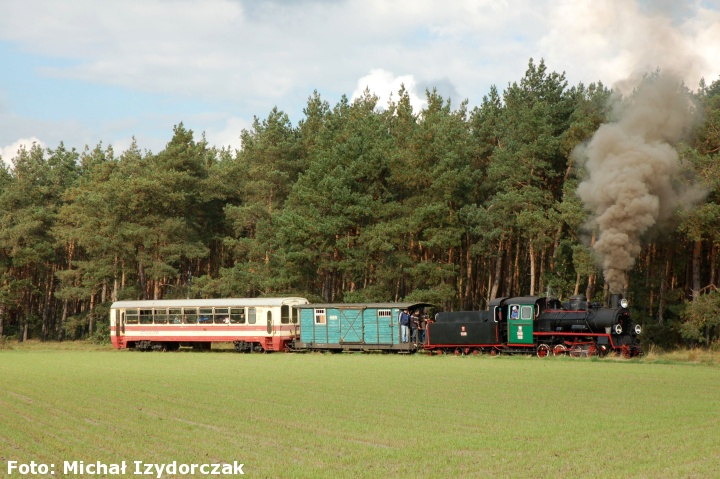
351 326
380 326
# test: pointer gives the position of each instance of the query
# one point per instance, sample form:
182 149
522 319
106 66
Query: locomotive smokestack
635 180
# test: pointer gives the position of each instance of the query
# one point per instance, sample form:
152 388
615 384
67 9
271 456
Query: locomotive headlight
624 303
638 329
618 329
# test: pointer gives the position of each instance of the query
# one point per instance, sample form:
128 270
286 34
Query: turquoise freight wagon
354 327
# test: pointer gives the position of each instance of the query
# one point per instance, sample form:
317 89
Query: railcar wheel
458 352
543 350
559 350
576 352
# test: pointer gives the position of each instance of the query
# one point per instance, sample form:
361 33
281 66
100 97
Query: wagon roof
365 305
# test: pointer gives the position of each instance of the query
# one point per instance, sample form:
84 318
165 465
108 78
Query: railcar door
520 323
118 321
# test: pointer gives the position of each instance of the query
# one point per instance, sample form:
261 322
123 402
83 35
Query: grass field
358 415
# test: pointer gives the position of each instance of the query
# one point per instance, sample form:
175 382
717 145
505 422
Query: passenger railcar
353 327
252 324
538 325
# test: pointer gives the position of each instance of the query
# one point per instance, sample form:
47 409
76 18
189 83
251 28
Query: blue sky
84 71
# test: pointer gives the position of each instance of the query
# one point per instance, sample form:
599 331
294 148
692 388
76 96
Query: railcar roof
206 303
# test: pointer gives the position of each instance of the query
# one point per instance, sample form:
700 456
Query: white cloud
229 134
229 50
9 152
386 85
238 58
225 51
616 39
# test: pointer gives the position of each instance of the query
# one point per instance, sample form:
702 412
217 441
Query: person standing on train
404 325
421 327
415 325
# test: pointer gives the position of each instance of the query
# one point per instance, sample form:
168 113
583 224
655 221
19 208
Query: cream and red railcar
252 324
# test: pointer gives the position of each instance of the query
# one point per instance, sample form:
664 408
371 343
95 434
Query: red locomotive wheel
543 351
559 350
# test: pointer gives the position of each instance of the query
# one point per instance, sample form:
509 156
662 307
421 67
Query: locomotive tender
527 325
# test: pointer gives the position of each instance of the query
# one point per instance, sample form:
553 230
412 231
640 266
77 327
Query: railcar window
384 313
161 316
175 316
251 315
131 316
146 316
269 322
526 312
222 316
285 314
206 315
190 315
319 316
237 315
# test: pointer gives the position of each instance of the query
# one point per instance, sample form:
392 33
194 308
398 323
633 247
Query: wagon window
251 315
222 316
190 315
237 315
319 316
385 313
285 314
526 312
146 316
161 316
131 316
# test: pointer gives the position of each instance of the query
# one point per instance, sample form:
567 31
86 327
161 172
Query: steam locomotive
538 325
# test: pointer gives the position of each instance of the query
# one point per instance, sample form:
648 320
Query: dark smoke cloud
635 180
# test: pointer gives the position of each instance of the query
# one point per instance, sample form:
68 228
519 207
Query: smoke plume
635 180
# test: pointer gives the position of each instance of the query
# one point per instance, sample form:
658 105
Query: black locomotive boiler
538 325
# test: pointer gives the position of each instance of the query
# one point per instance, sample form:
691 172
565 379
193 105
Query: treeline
354 203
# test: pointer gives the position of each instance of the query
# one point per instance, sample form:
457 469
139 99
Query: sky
89 72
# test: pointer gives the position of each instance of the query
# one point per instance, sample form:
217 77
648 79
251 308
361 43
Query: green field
360 415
